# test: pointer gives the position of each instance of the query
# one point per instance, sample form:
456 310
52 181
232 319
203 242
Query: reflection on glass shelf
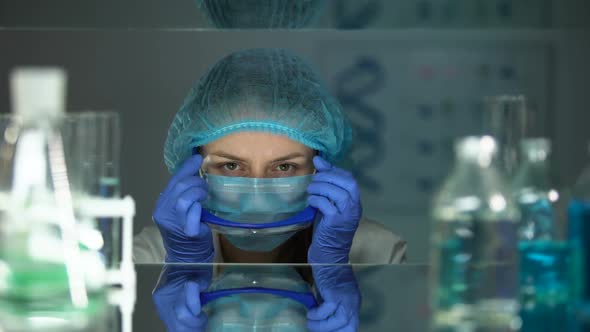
293 297
291 14
261 14
440 14
250 297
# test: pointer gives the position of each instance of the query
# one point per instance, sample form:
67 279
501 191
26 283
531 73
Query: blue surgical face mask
257 214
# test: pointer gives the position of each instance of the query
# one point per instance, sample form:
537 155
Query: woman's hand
178 216
335 193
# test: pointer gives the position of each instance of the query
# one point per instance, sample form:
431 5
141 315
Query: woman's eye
284 167
231 166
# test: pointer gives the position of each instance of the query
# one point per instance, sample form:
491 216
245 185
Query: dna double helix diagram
354 85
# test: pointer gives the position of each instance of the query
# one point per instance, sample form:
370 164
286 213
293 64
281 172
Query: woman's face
257 155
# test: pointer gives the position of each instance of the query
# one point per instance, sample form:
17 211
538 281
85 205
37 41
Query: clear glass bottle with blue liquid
579 239
544 280
474 245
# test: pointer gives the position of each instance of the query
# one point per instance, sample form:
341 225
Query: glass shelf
315 14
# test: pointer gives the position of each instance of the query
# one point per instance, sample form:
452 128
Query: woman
254 143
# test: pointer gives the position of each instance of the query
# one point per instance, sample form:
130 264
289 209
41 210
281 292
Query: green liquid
33 291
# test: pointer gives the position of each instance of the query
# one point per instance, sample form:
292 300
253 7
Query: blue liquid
545 287
538 220
110 228
475 264
579 238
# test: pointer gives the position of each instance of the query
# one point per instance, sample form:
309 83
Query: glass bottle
579 239
474 245
544 278
531 187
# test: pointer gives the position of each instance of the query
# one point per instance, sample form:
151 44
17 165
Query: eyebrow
232 157
227 156
289 156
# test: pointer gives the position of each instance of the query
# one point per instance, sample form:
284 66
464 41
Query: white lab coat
372 244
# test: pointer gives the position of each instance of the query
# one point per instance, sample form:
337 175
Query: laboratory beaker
505 118
92 142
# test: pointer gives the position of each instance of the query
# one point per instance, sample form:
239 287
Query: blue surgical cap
265 90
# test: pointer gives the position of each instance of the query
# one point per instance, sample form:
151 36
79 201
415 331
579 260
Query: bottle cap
38 93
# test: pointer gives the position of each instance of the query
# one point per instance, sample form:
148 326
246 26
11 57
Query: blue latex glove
177 297
341 297
335 193
178 216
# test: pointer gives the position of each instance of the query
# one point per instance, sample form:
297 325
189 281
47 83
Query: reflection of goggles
305 298
258 298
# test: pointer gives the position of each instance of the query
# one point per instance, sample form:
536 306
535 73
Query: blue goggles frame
305 298
308 215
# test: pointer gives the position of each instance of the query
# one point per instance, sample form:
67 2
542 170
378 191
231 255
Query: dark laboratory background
411 75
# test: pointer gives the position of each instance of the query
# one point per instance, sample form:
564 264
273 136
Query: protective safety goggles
286 192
